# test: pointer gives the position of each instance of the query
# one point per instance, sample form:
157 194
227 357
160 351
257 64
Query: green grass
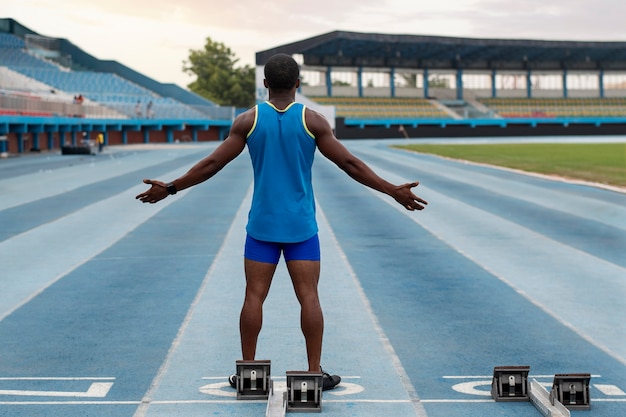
602 162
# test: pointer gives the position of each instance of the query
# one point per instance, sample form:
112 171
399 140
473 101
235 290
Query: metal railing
39 107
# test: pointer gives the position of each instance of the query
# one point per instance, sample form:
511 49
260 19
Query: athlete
282 137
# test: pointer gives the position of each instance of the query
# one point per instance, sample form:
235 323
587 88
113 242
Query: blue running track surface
113 308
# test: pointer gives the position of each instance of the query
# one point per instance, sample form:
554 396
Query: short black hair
281 72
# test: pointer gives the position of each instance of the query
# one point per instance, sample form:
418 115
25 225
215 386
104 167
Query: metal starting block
510 383
253 380
304 392
571 390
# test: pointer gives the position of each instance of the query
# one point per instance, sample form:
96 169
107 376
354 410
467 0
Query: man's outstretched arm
228 150
334 150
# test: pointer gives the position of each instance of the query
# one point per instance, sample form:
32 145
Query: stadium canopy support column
459 84
392 84
169 131
20 142
223 132
529 84
63 130
359 80
3 145
147 128
565 83
494 90
329 82
19 131
50 139
601 83
425 82
35 130
133 127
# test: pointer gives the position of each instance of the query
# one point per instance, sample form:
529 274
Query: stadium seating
556 107
383 107
118 95
10 41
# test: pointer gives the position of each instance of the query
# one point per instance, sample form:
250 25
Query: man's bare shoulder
316 122
310 113
243 122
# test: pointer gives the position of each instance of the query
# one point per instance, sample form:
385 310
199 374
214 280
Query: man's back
282 151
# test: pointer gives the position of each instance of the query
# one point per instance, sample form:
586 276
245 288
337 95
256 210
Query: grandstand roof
373 50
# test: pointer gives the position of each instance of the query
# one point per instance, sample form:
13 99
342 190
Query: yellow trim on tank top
256 117
279 110
304 123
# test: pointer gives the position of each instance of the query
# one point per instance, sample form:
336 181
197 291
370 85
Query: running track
112 308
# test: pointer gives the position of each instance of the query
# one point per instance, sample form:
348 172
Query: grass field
602 163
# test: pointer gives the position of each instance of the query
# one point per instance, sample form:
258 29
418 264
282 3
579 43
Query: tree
217 78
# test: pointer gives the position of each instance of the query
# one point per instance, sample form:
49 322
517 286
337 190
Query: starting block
571 390
253 380
304 392
510 383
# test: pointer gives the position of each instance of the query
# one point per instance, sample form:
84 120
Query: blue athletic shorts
269 252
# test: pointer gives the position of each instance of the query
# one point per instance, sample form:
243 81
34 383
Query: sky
154 37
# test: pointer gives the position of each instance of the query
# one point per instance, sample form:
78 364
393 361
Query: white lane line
86 232
142 410
420 411
69 403
609 389
517 256
445 401
224 402
491 376
221 378
47 183
56 378
95 390
606 212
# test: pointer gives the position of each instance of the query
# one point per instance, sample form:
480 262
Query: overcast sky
154 36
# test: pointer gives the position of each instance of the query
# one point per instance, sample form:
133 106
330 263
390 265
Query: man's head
281 72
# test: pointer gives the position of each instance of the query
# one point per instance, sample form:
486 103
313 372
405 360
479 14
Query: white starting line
95 390
99 388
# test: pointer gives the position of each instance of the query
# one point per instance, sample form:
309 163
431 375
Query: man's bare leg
305 277
258 281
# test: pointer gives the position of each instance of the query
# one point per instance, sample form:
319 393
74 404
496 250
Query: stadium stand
557 107
53 95
383 107
467 87
107 89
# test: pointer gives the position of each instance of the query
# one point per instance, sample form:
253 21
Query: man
282 137
100 140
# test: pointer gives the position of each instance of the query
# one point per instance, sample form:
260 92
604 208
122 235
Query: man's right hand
155 193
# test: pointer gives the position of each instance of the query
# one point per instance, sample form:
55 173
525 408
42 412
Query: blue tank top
282 151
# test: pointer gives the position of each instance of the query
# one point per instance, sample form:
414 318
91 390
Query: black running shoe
232 380
329 381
